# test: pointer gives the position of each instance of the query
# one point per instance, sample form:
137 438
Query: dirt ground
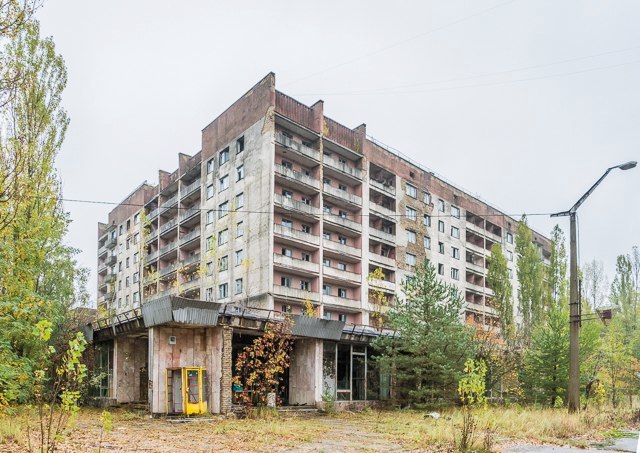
351 432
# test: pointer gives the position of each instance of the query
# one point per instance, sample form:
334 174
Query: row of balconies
315 155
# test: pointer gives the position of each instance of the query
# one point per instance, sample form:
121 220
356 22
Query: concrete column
227 371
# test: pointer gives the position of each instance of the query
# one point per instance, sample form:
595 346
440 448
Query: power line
322 214
471 77
398 43
496 83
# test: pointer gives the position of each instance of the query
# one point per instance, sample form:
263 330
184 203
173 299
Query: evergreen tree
546 363
500 283
432 345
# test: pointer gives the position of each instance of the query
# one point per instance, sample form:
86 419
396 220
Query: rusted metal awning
180 310
325 329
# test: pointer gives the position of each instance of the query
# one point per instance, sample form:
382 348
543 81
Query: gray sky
522 102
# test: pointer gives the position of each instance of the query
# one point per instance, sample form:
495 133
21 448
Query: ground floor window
104 368
350 373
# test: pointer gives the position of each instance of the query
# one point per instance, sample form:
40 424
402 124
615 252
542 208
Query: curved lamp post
574 304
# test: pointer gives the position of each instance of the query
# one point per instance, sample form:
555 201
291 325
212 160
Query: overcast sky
522 102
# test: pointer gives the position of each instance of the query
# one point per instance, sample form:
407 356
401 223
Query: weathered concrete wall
201 347
305 373
130 356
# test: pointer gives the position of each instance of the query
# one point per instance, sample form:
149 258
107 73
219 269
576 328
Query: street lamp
574 307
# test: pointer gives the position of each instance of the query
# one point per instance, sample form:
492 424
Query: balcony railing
152 256
382 284
302 149
341 301
153 234
384 260
191 284
295 263
167 270
379 234
195 258
288 232
191 212
336 273
167 205
185 192
168 248
110 242
391 190
341 248
294 293
339 220
111 260
384 212
153 214
476 267
344 168
190 236
297 176
342 194
289 203
477 248
168 226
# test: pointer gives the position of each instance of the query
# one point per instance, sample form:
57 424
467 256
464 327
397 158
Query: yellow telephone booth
186 390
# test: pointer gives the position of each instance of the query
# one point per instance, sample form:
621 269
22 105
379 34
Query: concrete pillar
227 371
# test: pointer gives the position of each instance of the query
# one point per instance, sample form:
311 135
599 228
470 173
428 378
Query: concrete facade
284 207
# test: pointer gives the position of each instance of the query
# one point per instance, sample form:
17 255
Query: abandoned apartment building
282 207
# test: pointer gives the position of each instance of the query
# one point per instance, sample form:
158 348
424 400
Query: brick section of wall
227 372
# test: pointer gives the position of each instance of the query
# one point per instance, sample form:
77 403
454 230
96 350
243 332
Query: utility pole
575 317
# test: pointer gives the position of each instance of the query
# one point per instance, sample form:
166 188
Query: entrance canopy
173 309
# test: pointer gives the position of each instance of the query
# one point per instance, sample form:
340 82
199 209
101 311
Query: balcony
189 214
294 293
190 285
388 190
382 211
110 242
341 302
167 205
109 279
338 274
290 233
477 248
102 269
151 257
382 235
342 167
190 260
168 248
111 260
153 235
478 268
297 177
343 249
295 263
343 222
383 260
191 188
101 251
190 236
168 226
384 285
342 195
288 203
153 214
299 147
168 270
